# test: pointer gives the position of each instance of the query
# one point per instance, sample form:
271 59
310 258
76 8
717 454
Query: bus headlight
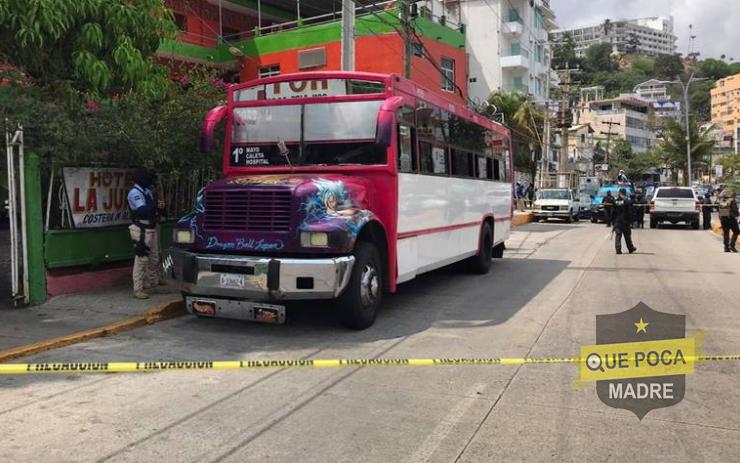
184 236
314 240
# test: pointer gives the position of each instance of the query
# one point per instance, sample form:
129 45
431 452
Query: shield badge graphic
641 323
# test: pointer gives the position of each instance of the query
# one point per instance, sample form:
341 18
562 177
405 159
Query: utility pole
348 35
408 33
564 126
608 134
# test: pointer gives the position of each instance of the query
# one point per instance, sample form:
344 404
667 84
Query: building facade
226 34
627 118
507 43
726 109
664 107
650 36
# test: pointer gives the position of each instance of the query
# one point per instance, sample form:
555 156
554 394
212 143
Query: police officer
622 219
608 204
706 211
728 214
144 208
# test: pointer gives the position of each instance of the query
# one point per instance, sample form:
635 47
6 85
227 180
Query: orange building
726 106
284 46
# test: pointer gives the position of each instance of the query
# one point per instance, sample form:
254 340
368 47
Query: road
540 301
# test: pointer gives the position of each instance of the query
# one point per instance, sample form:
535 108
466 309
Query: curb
522 219
160 312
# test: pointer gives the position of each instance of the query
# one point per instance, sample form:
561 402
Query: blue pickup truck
597 208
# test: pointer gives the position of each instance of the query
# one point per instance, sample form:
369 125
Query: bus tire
358 305
481 263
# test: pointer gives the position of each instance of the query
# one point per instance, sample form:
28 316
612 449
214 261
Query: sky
716 22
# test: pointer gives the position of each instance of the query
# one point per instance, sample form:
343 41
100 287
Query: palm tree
607 27
674 145
527 123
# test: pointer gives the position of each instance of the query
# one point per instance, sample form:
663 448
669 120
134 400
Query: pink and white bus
340 185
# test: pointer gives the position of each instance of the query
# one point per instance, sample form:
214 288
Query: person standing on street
640 211
728 214
519 197
622 219
608 203
706 211
144 209
530 195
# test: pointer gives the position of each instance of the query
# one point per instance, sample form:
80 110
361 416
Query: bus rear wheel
481 263
358 305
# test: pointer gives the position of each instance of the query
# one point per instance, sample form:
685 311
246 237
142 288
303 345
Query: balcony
513 28
516 61
541 35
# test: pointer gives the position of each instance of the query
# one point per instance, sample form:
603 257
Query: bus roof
391 81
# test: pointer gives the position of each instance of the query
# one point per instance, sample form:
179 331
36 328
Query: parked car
597 208
556 203
674 205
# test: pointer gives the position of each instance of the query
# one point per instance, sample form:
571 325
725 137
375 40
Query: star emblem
641 326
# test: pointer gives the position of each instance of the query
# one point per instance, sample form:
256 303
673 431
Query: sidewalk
75 317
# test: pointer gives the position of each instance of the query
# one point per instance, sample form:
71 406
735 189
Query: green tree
564 53
668 66
700 100
674 144
103 47
634 164
598 58
526 122
645 65
731 164
713 69
633 43
734 69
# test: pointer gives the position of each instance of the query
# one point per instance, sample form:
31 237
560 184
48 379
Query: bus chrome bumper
256 278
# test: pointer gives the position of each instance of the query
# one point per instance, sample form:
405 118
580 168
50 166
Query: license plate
229 281
204 307
266 314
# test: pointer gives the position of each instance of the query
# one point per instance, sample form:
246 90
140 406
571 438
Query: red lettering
92 200
119 196
77 206
118 175
94 179
107 178
276 88
324 84
108 205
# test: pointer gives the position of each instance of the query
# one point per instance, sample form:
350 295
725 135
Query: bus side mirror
213 117
384 130
384 127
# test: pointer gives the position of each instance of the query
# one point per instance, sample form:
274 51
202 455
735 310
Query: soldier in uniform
728 214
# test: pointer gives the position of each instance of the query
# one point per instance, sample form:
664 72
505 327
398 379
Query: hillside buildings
726 110
650 36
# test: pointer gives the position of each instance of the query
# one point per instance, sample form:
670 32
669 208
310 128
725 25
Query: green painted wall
34 229
93 246
313 36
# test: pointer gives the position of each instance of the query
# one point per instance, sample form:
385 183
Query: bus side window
497 169
484 167
462 165
406 149
433 158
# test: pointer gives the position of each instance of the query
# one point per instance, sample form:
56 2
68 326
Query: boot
141 295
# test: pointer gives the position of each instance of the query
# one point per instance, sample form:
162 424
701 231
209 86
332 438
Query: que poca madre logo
640 360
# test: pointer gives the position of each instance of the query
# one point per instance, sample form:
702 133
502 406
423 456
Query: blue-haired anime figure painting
331 204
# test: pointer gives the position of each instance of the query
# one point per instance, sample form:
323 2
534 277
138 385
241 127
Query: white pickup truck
674 205
556 203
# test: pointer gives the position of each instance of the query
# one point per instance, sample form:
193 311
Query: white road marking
445 427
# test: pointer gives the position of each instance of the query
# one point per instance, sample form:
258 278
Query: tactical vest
147 219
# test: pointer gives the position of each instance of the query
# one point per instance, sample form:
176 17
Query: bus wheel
481 263
359 303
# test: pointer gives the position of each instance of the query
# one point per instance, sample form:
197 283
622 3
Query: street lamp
685 87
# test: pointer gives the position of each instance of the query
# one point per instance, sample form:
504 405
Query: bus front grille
248 211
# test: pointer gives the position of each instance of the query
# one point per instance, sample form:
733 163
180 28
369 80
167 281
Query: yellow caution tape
135 367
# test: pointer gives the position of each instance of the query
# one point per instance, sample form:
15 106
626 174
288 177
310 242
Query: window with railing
269 71
447 66
514 15
538 22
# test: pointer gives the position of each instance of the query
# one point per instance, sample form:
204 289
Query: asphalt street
540 301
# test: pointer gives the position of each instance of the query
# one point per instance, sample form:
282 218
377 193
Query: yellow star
641 326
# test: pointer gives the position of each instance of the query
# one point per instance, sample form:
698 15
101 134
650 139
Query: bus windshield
315 134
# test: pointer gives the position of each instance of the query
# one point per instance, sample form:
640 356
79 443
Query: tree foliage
526 122
103 47
713 69
674 144
128 131
668 67
599 58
